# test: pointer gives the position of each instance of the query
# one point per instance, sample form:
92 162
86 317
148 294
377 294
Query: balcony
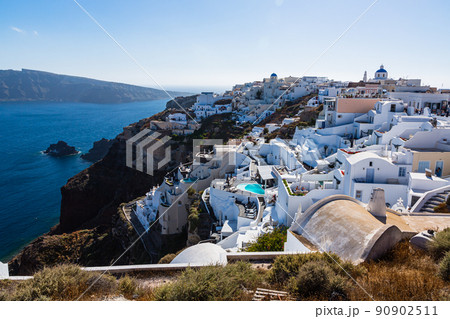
391 181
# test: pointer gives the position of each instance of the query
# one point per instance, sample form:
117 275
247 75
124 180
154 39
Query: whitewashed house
209 104
365 171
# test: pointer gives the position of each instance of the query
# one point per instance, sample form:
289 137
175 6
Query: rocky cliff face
98 150
91 230
96 246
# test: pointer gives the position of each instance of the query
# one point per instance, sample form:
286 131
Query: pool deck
232 187
245 183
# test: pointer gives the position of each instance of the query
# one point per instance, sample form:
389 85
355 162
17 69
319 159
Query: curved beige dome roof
340 224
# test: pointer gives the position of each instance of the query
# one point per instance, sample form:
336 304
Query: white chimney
377 204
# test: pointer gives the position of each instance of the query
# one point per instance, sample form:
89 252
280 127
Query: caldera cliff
92 229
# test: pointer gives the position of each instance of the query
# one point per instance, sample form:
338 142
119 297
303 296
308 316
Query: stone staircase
434 201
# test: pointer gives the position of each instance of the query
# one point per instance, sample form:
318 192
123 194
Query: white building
381 74
366 171
416 102
209 104
177 118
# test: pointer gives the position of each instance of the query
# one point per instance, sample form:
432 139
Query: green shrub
193 220
191 192
440 245
318 280
273 241
167 259
444 267
65 282
288 266
211 283
288 188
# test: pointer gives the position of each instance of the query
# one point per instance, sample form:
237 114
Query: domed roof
273 74
202 254
353 233
382 69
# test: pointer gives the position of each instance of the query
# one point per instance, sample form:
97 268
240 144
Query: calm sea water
30 182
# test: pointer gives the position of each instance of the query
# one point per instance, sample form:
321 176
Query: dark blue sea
30 182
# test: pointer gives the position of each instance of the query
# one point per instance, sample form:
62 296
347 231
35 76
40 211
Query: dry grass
444 267
66 282
442 208
403 274
288 266
167 259
69 282
213 283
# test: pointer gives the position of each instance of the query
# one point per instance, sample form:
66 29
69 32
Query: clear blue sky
214 44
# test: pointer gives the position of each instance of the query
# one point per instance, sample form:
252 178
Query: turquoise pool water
189 180
253 188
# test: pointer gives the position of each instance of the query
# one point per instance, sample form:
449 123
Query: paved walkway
149 239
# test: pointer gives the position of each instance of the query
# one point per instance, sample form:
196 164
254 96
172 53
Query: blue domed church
381 74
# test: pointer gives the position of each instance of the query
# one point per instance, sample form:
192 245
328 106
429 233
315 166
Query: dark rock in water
60 149
98 151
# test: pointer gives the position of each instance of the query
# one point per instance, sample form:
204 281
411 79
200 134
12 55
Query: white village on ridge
374 169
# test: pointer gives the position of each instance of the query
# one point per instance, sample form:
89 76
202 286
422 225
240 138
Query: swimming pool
251 187
189 180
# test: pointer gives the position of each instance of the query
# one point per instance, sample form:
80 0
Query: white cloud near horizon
17 29
22 31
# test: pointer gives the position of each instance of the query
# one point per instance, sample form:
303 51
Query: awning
265 172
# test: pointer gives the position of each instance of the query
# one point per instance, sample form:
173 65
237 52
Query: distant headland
31 85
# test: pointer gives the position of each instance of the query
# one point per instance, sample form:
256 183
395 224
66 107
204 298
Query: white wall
383 170
392 192
293 244
419 98
287 206
4 273
430 139
223 204
205 98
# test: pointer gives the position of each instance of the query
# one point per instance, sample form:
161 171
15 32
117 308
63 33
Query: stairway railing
426 196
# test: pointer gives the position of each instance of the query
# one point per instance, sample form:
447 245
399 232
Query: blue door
438 169
370 172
